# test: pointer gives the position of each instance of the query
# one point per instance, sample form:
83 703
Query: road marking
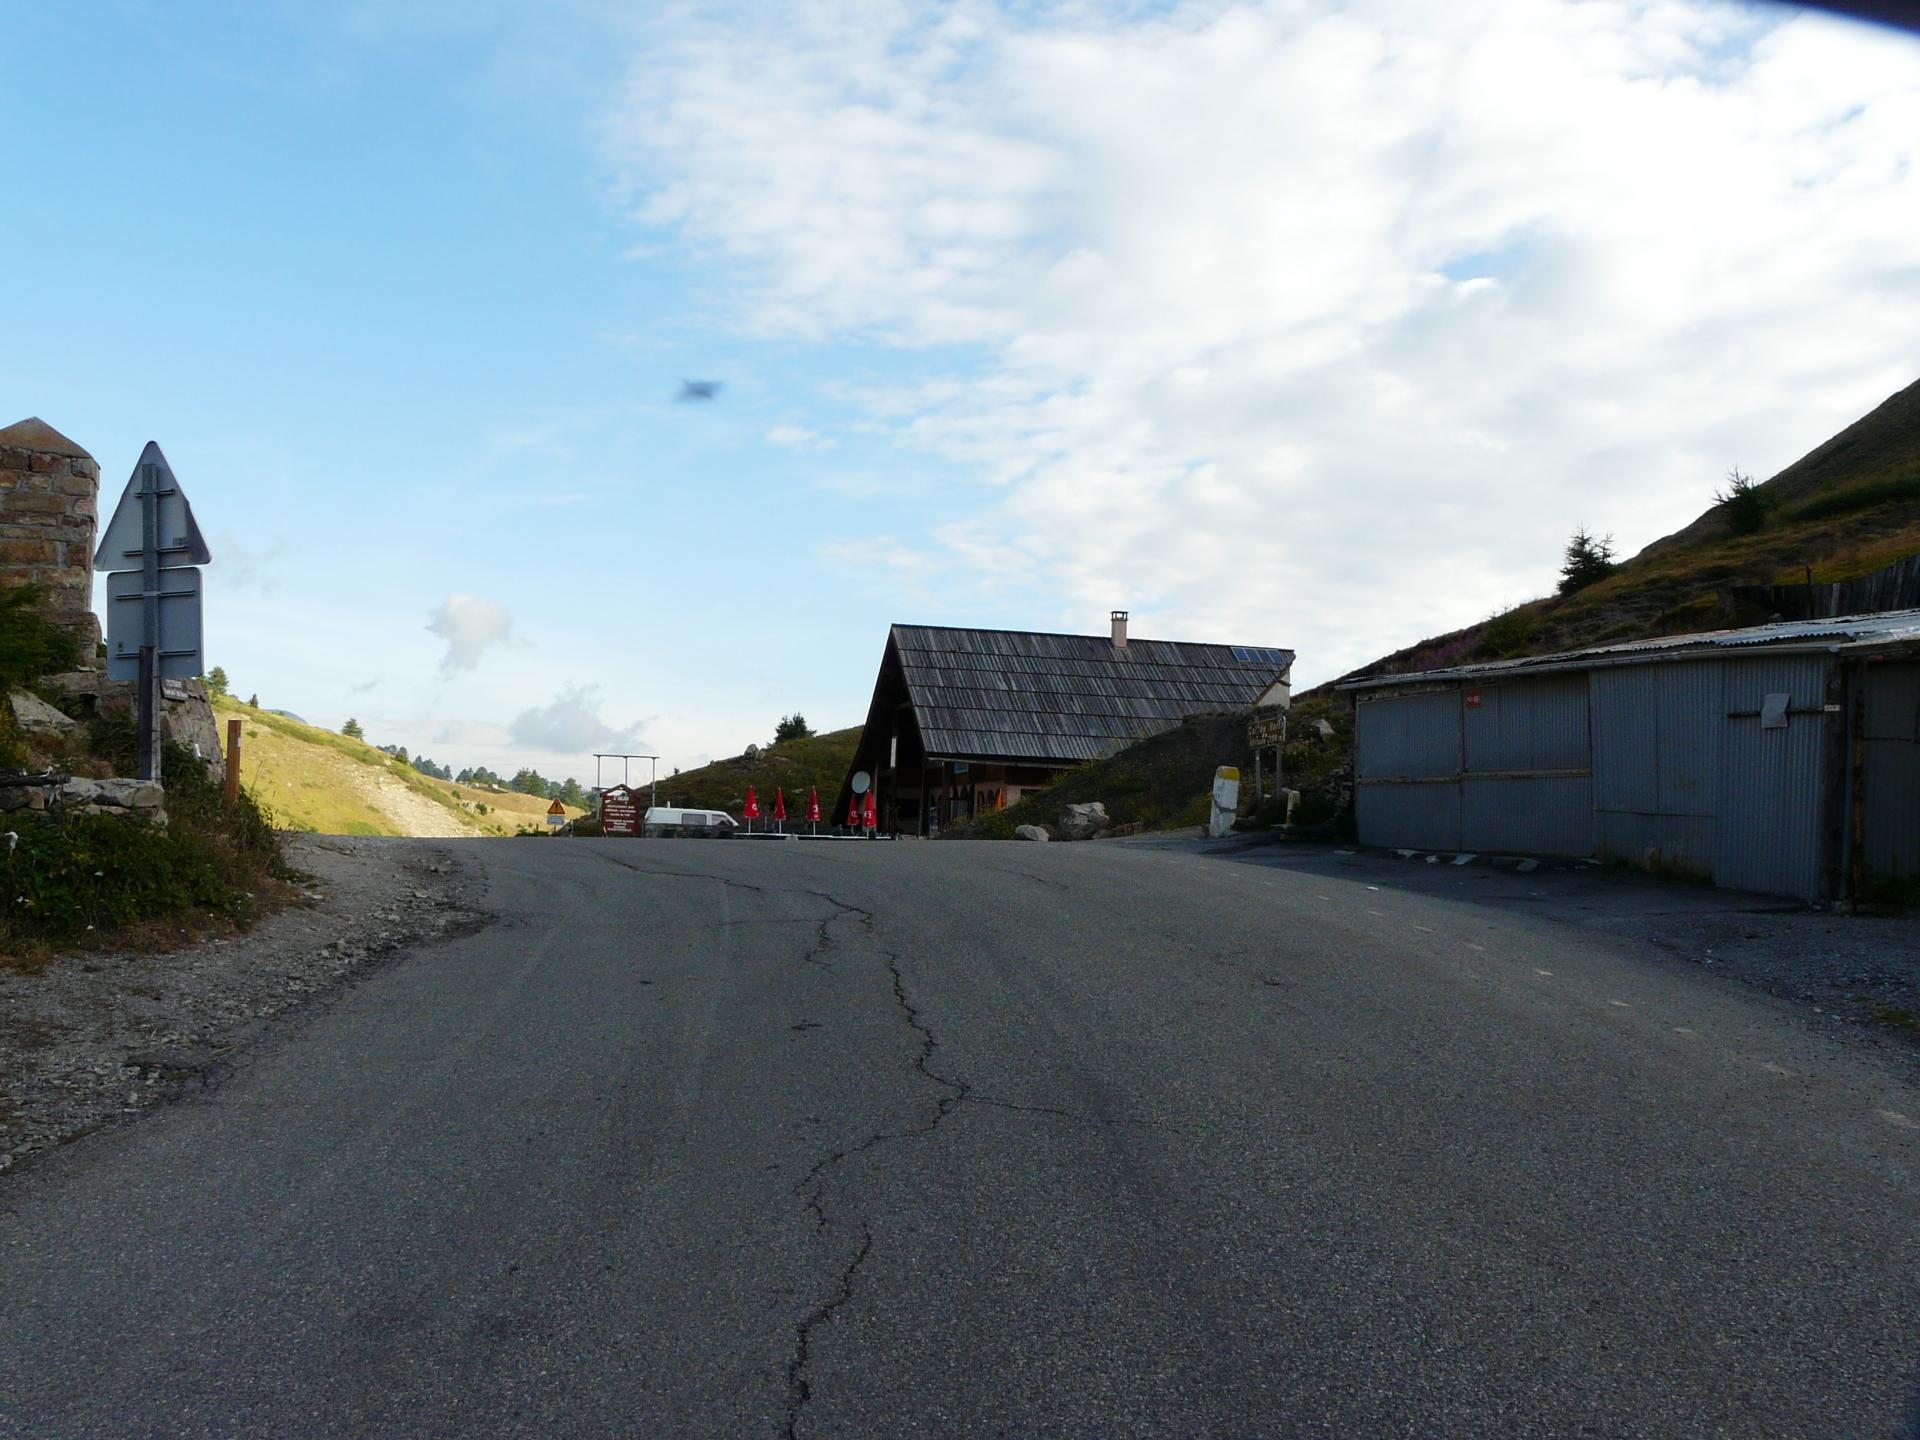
1547 973
1685 1030
1471 946
1776 1069
1375 912
1894 1117
1373 887
1621 1003
1427 928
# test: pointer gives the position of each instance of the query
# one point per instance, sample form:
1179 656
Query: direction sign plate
180 650
123 541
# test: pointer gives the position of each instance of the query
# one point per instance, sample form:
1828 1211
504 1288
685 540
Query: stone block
75 485
26 552
38 503
44 464
13 458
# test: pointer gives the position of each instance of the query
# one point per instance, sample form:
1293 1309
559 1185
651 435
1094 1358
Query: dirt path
411 812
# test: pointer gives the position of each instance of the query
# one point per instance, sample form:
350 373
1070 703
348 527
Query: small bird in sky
697 390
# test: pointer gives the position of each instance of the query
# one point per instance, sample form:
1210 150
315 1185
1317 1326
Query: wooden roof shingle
1017 694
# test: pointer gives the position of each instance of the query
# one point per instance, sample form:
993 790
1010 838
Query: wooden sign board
1266 728
619 811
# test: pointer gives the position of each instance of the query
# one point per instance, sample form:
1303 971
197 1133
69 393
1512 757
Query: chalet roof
33 433
1021 695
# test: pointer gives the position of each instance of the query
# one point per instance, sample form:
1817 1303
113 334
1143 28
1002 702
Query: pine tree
1587 560
1743 502
352 730
216 683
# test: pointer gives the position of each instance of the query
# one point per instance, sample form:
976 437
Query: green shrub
1507 635
62 876
31 646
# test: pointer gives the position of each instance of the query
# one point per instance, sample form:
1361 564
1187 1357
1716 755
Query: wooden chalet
964 721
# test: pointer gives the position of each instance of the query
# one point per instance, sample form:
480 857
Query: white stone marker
1226 800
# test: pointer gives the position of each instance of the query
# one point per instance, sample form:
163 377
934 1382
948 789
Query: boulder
1323 729
36 717
1083 822
1029 832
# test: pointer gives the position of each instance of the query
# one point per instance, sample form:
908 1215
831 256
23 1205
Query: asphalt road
740 1139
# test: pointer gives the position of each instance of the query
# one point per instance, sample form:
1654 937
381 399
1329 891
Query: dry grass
312 779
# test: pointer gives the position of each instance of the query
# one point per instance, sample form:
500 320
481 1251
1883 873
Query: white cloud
1302 325
469 625
571 726
797 437
244 567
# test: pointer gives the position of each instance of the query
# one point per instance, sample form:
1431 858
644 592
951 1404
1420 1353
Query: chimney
1119 629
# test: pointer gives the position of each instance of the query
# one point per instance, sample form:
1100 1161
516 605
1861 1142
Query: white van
672 820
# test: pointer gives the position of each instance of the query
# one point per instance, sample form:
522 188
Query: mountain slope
314 780
1848 507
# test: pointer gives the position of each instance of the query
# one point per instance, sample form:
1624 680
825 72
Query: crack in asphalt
799 1388
810 1187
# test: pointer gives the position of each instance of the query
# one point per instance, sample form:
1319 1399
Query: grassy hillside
1162 783
1849 507
312 779
818 760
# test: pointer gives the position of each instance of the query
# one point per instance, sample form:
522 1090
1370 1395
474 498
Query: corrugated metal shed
1892 740
1030 696
1726 755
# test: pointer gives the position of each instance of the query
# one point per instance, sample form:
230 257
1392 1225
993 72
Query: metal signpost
154 537
654 783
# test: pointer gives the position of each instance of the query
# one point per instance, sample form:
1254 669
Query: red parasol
752 812
853 813
779 803
872 820
813 804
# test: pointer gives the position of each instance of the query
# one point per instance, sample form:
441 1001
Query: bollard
1226 800
233 761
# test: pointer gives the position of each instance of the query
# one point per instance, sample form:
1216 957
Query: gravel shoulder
96 1039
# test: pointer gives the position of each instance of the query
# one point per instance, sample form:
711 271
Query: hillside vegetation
1849 507
314 780
793 765
1161 783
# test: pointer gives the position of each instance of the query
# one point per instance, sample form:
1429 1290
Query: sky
1293 324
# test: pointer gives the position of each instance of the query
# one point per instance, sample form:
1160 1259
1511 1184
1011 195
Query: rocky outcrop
186 713
1083 822
35 717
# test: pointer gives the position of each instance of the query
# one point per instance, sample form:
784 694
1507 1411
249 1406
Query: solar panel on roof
1260 655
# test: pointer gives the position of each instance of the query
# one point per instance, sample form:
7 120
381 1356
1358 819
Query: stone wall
49 508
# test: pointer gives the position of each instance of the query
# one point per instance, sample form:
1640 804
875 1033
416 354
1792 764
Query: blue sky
1245 317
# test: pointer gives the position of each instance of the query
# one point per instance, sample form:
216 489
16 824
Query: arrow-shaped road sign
122 546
